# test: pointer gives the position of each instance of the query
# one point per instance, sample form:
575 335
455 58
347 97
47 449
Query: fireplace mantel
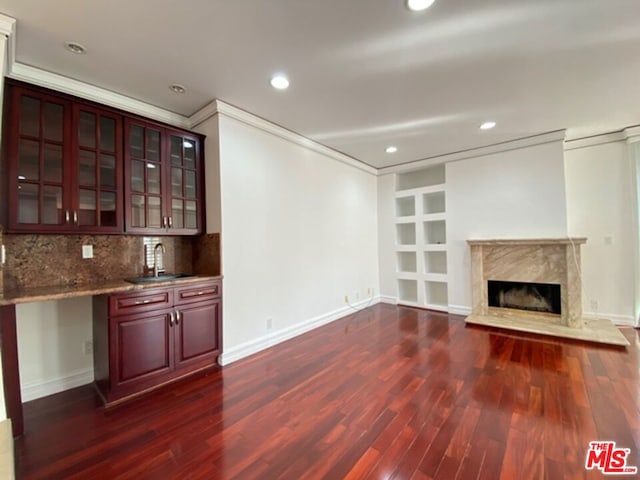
528 241
535 260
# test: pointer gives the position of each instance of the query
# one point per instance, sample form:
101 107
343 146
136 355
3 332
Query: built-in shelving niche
435 262
433 203
421 238
407 262
435 232
408 291
420 178
405 207
436 294
406 233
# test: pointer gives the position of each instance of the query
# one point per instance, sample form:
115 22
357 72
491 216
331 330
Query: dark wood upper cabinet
73 166
39 162
163 168
64 165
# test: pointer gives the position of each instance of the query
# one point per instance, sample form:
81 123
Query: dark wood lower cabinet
147 347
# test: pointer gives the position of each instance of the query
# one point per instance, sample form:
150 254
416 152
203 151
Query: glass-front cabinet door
38 162
162 172
144 170
98 146
184 174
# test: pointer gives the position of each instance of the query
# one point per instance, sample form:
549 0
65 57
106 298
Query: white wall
298 233
600 206
50 340
386 237
514 194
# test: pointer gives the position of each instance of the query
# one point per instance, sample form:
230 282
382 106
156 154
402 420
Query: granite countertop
57 292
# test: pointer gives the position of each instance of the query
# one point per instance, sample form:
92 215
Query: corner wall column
10 369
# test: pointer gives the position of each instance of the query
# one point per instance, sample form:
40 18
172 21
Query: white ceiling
364 74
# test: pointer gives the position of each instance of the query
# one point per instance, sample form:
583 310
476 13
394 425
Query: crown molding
595 140
54 81
218 107
507 146
632 134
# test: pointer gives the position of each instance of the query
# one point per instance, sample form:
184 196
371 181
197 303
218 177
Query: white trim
77 378
459 310
204 114
8 29
60 83
388 299
603 139
517 144
221 108
626 320
254 346
632 134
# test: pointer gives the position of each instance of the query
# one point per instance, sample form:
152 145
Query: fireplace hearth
533 285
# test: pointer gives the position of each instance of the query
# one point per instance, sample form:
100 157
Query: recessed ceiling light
419 5
74 47
280 82
177 88
487 125
391 149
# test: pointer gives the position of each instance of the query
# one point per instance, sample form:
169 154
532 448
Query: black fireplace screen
535 297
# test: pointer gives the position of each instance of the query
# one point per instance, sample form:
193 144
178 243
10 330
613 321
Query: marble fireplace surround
540 260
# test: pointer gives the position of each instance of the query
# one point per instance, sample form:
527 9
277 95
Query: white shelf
435 247
434 217
413 192
438 307
435 277
406 220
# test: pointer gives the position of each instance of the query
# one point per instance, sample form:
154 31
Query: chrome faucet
159 247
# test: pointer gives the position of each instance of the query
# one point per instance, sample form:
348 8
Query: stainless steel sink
159 278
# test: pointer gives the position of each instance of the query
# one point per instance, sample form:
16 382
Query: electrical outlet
368 292
594 305
87 251
87 347
269 323
346 299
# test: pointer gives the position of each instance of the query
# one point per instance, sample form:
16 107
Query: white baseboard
459 310
388 299
33 390
254 346
624 320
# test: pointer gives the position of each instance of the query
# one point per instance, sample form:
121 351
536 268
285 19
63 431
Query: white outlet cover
87 251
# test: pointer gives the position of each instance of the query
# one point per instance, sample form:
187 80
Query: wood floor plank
389 392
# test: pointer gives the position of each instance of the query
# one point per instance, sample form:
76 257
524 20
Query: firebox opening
535 297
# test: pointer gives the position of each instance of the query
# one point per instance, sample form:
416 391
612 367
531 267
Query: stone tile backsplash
46 260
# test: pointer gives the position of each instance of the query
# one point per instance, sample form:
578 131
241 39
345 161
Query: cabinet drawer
198 292
129 303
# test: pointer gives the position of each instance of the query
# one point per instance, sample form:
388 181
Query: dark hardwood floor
387 393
